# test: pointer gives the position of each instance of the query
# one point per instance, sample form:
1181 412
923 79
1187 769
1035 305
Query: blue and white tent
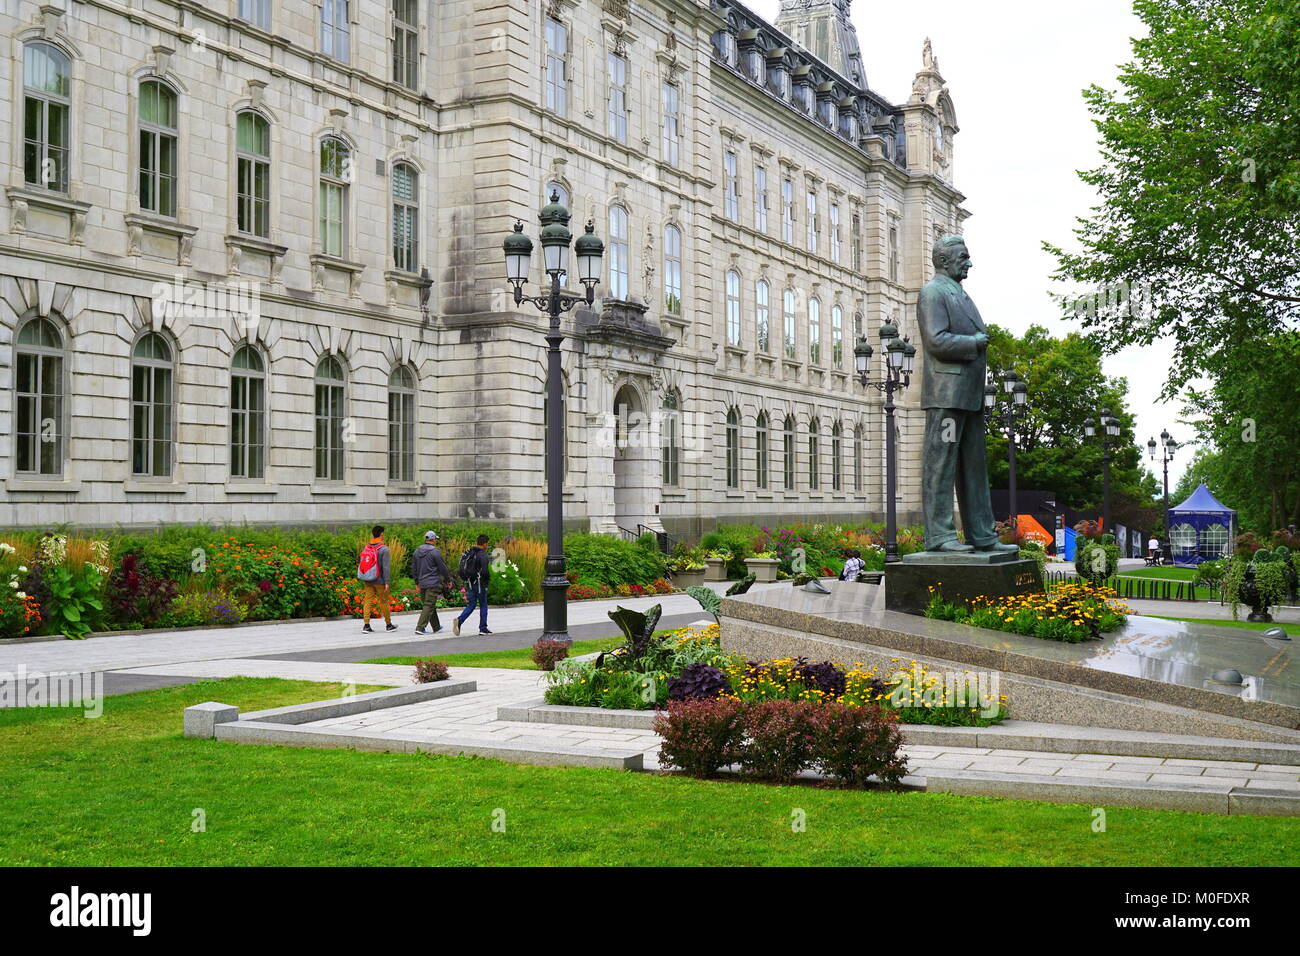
1200 529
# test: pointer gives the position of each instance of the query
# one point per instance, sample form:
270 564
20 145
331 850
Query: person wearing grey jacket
431 576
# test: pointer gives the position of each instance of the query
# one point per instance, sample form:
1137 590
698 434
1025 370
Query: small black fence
1137 588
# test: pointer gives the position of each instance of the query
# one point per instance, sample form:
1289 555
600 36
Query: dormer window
724 41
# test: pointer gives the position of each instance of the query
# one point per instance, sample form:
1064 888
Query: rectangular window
761 321
406 43
247 421
733 308
335 29
157 123
893 253
256 12
39 428
253 188
814 452
732 207
837 337
329 432
401 436
787 210
787 322
672 125
673 270
814 332
406 219
856 240
760 199
333 198
813 227
557 78
618 97
835 232
151 421
787 456
760 454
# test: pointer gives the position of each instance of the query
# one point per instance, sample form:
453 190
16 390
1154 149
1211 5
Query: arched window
670 438
733 307
787 453
554 188
762 324
406 217
857 458
787 323
837 336
152 421
1214 542
401 425
331 408
814 331
247 414
38 399
837 457
335 174
253 186
158 150
672 270
760 451
733 448
46 123
814 452
618 255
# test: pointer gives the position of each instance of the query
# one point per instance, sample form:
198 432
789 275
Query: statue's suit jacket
953 375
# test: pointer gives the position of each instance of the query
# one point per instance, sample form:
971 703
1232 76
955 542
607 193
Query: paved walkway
122 651
473 718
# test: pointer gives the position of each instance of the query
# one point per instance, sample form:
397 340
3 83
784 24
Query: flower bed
1069 612
689 664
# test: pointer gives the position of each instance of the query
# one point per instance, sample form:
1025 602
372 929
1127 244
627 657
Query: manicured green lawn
520 659
122 790
1176 574
1292 629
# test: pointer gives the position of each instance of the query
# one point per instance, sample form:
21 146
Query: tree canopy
1197 235
1066 385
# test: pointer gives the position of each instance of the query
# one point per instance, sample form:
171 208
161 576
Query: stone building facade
251 267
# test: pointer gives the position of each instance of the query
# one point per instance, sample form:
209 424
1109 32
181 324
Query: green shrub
602 559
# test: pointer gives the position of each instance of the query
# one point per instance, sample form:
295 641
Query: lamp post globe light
518 248
900 357
1008 413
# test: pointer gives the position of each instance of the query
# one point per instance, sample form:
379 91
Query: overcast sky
1016 69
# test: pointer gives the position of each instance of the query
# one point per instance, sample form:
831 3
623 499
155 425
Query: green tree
1199 217
1248 419
1066 385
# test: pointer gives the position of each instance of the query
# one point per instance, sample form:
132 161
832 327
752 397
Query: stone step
548 755
1009 735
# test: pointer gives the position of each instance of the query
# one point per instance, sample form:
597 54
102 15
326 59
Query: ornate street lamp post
1167 448
1110 429
555 236
1009 417
900 354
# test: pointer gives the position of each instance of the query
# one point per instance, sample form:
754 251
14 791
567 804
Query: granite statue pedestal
959 576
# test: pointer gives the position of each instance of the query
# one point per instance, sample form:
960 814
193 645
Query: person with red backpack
372 572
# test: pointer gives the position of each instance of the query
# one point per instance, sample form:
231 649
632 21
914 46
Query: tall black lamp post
1009 416
900 355
1109 429
1167 448
555 236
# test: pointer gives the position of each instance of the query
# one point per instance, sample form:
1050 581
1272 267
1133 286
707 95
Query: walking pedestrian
431 576
373 573
476 571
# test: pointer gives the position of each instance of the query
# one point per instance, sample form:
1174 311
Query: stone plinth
959 576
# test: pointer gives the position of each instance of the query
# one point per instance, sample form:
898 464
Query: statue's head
951 257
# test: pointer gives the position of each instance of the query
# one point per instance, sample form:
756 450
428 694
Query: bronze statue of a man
952 394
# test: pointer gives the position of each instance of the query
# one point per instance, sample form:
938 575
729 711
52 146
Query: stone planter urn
717 569
1248 594
763 569
687 579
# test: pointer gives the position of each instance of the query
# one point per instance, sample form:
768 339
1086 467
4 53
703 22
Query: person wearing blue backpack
372 572
476 571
